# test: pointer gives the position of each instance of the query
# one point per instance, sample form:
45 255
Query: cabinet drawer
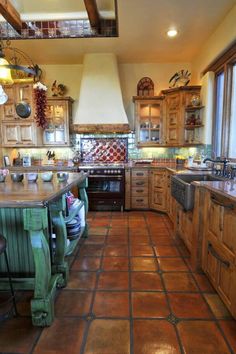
140 173
140 183
140 202
143 191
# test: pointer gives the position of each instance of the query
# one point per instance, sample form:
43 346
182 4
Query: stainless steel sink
182 188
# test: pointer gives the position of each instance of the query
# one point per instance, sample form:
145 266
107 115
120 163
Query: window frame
224 64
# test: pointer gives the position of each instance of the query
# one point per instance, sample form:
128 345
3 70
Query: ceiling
142 30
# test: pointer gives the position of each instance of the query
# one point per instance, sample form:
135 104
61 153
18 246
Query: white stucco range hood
100 107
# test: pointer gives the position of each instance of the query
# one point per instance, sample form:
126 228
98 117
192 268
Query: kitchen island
33 218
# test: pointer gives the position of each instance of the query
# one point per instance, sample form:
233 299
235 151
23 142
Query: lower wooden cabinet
139 188
158 190
184 224
219 247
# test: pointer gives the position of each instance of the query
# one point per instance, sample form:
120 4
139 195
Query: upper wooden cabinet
177 101
17 93
17 131
59 116
149 122
163 120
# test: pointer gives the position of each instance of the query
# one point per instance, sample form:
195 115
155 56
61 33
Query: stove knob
108 171
105 172
92 171
112 171
119 171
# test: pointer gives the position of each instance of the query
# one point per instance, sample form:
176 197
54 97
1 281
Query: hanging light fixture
12 69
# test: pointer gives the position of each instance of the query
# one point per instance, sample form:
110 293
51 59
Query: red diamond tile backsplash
104 150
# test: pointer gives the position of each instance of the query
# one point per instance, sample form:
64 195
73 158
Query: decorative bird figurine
58 90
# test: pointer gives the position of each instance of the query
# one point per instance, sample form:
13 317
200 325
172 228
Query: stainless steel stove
106 185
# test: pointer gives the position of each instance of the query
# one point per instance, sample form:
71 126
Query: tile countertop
41 168
225 188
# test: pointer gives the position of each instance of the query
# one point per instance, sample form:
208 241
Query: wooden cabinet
17 131
20 134
170 201
149 122
139 189
17 93
127 189
184 225
158 190
219 247
176 102
193 125
59 116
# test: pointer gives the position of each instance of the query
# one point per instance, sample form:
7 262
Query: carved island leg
59 264
42 304
84 197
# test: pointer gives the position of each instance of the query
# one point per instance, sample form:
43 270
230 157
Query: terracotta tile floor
131 291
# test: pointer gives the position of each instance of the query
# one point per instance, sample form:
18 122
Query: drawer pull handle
139 190
139 183
228 206
139 200
217 256
139 174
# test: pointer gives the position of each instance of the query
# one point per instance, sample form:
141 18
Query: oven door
105 185
105 192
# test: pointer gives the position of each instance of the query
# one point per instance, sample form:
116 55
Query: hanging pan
23 109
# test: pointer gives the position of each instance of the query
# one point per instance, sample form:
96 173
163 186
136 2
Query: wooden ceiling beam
93 14
11 15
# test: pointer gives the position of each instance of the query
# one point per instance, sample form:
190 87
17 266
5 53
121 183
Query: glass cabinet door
149 122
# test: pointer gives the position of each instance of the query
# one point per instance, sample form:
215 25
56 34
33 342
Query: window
224 122
219 114
232 137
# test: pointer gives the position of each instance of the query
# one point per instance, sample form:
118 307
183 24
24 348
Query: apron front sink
183 190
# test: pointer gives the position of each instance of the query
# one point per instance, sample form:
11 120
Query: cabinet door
158 179
57 130
157 192
24 92
149 122
27 134
18 135
10 134
219 247
8 108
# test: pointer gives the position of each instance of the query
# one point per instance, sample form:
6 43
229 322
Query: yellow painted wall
130 74
221 38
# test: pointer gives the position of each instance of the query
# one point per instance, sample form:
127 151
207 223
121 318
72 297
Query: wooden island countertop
35 194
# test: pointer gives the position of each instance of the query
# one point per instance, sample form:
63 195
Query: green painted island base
36 263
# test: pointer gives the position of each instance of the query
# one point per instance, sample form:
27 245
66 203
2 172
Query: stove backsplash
104 149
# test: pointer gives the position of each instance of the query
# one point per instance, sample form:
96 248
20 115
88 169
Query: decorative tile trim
59 29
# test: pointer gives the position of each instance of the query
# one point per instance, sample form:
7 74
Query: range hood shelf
100 128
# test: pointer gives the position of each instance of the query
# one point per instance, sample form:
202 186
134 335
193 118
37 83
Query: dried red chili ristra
40 98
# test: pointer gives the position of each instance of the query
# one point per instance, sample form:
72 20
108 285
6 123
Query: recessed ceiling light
172 32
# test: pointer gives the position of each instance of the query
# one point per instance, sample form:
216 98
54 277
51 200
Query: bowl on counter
47 176
62 176
2 178
32 177
17 177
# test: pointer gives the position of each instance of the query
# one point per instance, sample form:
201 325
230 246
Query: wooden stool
3 246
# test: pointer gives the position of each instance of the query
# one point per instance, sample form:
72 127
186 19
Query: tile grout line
169 306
